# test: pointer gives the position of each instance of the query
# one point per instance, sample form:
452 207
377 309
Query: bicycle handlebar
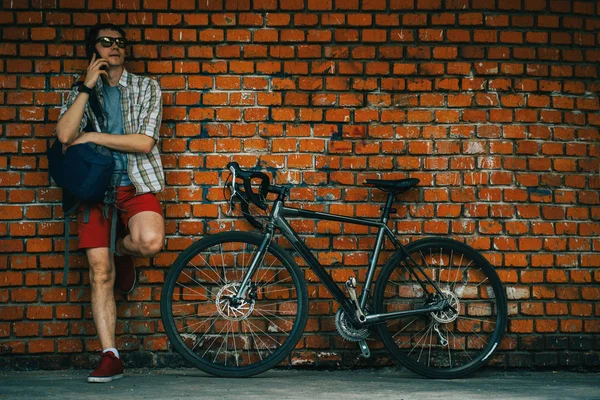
247 177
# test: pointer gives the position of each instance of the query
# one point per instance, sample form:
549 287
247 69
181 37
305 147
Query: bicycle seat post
388 207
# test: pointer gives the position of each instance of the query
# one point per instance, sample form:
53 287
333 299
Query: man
132 107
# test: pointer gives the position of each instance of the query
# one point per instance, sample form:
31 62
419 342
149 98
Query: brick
11 313
68 312
69 345
22 329
521 326
41 346
22 295
55 329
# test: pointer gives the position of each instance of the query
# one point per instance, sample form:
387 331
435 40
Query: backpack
84 172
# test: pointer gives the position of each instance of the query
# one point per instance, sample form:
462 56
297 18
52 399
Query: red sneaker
110 368
125 274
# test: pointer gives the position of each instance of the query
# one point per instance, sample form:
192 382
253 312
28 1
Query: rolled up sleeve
151 113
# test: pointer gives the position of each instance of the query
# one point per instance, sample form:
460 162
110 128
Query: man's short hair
92 35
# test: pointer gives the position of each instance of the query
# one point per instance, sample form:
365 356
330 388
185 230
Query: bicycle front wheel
442 344
226 338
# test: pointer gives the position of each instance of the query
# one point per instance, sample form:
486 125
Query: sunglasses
107 41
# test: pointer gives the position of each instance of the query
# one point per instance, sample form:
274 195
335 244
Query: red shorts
96 232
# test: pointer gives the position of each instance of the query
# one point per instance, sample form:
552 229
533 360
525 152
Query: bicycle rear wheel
442 344
226 339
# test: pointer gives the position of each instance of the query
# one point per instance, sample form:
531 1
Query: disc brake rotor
225 308
447 316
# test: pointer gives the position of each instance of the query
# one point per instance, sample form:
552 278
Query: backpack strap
96 109
110 201
67 243
68 215
111 208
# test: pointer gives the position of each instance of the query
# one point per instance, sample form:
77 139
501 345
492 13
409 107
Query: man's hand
94 71
85 137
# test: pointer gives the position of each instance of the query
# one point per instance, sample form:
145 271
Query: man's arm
69 123
136 143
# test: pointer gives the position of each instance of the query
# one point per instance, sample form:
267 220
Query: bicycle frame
278 220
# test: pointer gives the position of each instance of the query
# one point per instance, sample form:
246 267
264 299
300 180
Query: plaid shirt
141 102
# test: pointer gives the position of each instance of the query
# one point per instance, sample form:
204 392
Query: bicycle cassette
347 330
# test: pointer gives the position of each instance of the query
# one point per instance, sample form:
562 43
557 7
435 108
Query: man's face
114 54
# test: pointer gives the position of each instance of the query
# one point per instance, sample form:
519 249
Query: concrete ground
300 384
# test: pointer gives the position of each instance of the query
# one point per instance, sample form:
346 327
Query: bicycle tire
472 286
196 311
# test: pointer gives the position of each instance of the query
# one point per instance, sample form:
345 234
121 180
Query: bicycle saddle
393 185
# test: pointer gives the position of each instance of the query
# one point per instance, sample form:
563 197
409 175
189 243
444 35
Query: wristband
84 89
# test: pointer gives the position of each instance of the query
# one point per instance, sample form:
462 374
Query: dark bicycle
235 304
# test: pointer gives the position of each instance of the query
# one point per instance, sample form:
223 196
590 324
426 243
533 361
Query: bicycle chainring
347 330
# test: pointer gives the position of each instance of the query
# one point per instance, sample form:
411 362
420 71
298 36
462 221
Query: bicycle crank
349 332
351 286
364 349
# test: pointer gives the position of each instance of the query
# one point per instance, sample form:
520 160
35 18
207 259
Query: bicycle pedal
351 287
364 349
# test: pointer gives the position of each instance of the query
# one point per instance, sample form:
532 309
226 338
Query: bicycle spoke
198 283
235 348
430 327
260 330
477 319
186 316
221 346
274 315
197 323
411 337
208 330
462 348
209 266
214 340
275 283
406 326
449 352
481 283
269 336
223 263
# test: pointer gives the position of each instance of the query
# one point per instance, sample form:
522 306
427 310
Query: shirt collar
124 78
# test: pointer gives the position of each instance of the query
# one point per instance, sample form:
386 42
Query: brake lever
233 193
232 170
231 207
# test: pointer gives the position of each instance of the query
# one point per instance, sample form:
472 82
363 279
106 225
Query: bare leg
146 235
104 309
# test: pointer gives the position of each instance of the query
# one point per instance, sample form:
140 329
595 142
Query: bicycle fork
257 260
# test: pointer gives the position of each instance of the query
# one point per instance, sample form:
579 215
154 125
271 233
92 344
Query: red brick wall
483 100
